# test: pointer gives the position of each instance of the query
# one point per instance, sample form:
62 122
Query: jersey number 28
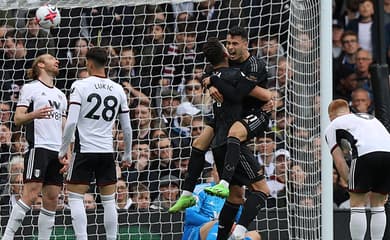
109 103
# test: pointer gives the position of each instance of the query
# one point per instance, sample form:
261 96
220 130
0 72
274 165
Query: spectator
197 126
283 72
194 94
361 101
181 160
5 113
337 33
140 197
179 58
347 58
38 41
142 121
123 200
15 65
170 99
168 193
363 62
363 26
16 189
270 51
89 201
264 152
16 165
19 144
347 83
277 182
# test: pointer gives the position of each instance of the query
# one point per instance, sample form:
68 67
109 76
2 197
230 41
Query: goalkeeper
254 121
200 220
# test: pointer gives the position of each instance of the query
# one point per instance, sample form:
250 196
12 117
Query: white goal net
155 53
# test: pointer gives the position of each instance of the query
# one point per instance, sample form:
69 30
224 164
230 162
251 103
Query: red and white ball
48 16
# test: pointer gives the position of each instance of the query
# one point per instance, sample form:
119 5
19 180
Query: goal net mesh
155 53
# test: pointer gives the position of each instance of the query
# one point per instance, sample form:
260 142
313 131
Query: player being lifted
93 107
234 87
41 109
368 141
253 122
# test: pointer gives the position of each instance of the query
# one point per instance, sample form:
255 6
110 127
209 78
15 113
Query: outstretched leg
195 168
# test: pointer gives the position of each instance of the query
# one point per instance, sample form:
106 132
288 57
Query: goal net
155 53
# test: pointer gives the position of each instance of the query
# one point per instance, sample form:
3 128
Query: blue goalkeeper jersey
207 208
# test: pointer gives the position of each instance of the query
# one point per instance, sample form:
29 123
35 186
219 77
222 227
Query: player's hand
126 164
206 81
215 94
42 113
64 160
269 106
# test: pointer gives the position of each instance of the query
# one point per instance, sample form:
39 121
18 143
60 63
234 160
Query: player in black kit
234 86
253 121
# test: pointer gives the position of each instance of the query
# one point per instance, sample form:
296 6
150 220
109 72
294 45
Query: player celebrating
247 172
94 105
254 123
369 144
41 108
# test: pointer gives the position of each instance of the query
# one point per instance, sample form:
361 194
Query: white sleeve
75 96
124 119
330 137
25 96
70 126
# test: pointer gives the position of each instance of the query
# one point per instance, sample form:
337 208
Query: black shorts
247 170
370 172
255 124
42 165
86 166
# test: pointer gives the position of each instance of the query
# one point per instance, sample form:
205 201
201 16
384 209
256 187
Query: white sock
16 218
45 223
378 223
186 193
224 183
79 216
358 223
110 216
239 232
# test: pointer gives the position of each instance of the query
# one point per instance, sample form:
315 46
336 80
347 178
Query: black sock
226 219
253 204
195 168
231 158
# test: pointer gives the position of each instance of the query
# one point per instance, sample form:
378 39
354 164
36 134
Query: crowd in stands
155 53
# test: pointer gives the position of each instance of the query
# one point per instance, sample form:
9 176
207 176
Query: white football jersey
45 133
101 100
359 133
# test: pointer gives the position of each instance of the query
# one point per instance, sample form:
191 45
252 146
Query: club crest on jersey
37 173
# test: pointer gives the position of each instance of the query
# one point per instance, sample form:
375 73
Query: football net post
286 30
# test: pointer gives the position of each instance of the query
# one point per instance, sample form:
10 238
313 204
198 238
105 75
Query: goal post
156 48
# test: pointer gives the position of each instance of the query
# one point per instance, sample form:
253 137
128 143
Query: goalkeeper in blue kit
200 222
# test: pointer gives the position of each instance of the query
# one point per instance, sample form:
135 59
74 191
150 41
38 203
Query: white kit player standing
94 104
41 109
368 142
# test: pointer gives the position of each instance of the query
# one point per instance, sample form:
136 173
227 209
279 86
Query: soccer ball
48 16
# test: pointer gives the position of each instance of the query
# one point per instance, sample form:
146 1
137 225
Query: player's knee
261 186
238 131
198 144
